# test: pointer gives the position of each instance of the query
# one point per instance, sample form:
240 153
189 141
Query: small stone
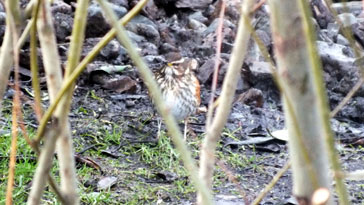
140 19
198 16
61 7
347 19
252 97
193 4
144 27
323 35
135 37
206 70
212 27
119 10
121 84
265 37
123 3
333 30
333 54
130 103
106 183
258 69
97 25
352 7
232 10
204 50
150 9
2 18
228 200
196 25
149 32
166 48
148 49
2 25
154 60
342 40
111 50
226 47
63 25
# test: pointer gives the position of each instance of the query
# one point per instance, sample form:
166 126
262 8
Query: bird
180 88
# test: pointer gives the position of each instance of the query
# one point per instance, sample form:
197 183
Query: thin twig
258 6
24 34
23 129
207 159
12 161
347 98
11 23
34 63
82 66
232 179
28 11
56 189
271 184
6 60
324 113
278 82
357 52
347 33
219 38
52 67
44 166
64 144
153 89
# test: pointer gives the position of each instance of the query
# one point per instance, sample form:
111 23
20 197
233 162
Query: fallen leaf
280 135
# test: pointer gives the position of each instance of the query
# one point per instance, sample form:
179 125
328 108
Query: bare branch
154 91
219 37
271 184
44 165
321 98
207 159
82 65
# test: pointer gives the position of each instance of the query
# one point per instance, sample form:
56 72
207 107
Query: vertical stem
14 134
34 62
52 65
64 143
207 159
7 48
12 27
309 168
219 37
82 65
320 95
154 91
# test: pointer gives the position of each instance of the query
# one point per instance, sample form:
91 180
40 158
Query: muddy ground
117 101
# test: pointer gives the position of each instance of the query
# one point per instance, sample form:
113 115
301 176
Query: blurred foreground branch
68 82
207 159
154 91
52 66
321 99
7 48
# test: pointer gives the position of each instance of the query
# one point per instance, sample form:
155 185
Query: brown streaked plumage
180 88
